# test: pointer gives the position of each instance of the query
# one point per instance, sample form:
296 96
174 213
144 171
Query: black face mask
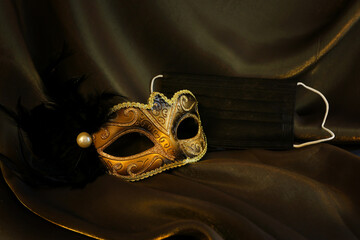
239 113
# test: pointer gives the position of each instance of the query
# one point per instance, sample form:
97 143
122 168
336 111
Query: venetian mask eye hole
129 144
188 128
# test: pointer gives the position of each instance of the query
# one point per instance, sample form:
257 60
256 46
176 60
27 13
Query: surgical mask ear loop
153 81
323 122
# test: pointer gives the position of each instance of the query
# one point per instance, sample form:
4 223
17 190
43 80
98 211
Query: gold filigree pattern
105 134
158 121
193 146
130 115
183 101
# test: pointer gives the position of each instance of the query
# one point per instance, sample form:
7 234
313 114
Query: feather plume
49 154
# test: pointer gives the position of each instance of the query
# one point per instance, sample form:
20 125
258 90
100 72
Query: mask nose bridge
170 126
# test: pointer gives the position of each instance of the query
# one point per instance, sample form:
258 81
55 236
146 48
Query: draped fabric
310 193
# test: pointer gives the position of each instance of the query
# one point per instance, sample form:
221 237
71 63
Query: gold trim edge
165 167
151 100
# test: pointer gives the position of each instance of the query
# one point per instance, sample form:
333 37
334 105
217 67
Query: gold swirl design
118 166
153 161
183 100
156 133
161 120
129 112
145 123
196 148
156 109
165 142
193 149
178 107
131 168
159 111
164 112
105 134
193 146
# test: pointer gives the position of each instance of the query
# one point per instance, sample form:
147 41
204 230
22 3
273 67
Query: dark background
253 194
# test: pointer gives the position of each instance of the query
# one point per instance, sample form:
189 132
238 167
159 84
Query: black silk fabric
309 193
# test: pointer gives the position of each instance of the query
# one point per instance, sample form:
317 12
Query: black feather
52 156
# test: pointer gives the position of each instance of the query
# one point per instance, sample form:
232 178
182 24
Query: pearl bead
84 140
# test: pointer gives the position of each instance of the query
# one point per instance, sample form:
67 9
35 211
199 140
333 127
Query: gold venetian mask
141 140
